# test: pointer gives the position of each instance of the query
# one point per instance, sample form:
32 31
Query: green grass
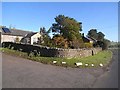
103 57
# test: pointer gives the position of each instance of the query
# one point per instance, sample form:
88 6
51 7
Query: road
21 73
109 79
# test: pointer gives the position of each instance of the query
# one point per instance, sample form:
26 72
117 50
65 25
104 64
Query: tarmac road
21 73
109 79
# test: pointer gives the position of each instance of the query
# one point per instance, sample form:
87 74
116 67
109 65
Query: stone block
54 62
92 65
101 64
79 64
86 64
63 62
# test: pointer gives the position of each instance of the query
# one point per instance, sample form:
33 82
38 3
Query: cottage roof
18 32
92 39
14 32
30 34
85 39
88 39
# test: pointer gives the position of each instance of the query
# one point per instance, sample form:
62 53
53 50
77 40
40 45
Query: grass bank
103 57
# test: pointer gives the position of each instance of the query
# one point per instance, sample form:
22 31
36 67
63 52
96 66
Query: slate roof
15 32
88 39
85 39
30 34
92 39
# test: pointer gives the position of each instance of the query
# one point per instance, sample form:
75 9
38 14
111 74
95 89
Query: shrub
17 40
88 45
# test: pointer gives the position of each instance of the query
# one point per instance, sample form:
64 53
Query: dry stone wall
52 52
77 52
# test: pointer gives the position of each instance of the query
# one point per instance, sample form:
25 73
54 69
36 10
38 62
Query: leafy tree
100 36
43 31
59 41
96 35
68 28
47 41
106 44
93 33
45 38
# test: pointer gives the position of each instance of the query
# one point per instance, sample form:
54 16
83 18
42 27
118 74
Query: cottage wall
9 38
35 37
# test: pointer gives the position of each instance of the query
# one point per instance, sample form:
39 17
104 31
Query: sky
102 16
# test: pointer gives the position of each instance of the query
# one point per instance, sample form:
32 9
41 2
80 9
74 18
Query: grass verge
103 57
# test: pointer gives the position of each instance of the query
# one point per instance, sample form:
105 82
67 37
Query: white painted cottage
16 35
31 38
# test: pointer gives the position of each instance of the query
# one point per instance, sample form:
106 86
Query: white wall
35 37
9 38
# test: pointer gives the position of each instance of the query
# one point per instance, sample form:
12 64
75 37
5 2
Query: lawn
103 57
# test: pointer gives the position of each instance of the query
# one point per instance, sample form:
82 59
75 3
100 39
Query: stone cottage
16 35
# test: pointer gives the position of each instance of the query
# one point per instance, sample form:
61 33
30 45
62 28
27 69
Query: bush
17 40
88 45
106 44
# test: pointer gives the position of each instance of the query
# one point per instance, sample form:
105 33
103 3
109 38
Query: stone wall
52 52
77 52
